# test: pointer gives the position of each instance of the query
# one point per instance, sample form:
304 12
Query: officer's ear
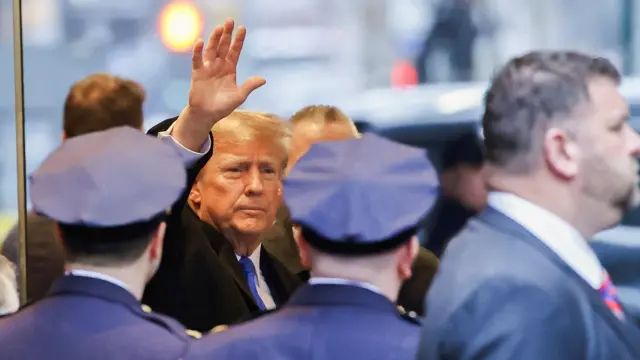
407 253
157 241
304 249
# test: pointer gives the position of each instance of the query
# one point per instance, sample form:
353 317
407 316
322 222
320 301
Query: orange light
180 26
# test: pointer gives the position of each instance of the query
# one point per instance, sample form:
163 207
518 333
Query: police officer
108 193
356 204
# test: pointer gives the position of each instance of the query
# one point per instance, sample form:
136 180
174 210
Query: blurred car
430 115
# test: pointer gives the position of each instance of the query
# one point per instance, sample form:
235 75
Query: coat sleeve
162 292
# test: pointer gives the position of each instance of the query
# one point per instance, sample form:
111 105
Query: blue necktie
252 279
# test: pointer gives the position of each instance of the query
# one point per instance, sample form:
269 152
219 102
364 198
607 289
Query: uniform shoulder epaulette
409 316
194 334
219 328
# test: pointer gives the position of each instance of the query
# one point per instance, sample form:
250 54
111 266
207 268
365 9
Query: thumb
251 84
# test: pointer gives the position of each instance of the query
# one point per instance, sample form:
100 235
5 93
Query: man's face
610 148
239 189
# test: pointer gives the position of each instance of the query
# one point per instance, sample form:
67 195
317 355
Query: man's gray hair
529 95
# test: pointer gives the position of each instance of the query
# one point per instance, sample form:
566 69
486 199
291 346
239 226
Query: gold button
401 309
219 328
194 334
146 308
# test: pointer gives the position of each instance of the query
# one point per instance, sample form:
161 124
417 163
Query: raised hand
214 91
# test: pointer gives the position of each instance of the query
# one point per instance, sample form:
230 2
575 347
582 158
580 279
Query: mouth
251 209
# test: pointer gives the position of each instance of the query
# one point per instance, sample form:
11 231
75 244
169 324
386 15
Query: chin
251 228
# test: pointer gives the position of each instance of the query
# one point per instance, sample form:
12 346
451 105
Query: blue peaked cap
109 178
360 191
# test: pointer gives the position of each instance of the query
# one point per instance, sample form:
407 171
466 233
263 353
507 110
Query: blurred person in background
9 297
321 123
101 192
454 32
520 280
357 234
463 191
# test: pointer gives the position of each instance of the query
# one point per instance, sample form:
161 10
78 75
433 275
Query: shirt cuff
188 156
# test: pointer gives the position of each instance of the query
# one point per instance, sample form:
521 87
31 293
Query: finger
214 40
238 43
251 84
196 56
225 41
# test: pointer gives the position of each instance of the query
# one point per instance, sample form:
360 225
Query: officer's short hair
103 101
528 95
112 246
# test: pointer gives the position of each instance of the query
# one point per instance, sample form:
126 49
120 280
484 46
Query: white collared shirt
263 289
555 233
97 275
339 281
189 157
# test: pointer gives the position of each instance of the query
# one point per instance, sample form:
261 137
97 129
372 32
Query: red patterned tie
608 292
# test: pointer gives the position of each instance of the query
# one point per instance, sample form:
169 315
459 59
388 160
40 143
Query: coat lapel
227 257
503 223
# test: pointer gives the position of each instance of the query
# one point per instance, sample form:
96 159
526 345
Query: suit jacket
87 318
200 281
502 294
332 322
279 241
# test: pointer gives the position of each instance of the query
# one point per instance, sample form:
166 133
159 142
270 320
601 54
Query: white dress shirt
555 233
189 157
263 289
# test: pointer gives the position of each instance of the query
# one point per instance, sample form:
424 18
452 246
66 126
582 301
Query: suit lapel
503 223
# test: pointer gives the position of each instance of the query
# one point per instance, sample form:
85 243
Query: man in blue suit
356 204
520 281
107 193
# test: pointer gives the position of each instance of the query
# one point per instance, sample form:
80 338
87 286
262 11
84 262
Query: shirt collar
555 233
97 275
340 281
255 257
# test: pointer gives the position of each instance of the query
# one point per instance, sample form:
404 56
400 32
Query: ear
157 241
561 153
195 196
303 247
64 136
407 253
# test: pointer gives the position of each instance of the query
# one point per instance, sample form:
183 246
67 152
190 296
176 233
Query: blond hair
246 125
319 114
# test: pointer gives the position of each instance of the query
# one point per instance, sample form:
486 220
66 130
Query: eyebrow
227 160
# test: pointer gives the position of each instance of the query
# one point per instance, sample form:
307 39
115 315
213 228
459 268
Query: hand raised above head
214 91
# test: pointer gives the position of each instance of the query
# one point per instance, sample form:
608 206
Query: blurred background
385 61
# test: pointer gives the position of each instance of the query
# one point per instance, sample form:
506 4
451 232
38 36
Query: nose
634 142
254 182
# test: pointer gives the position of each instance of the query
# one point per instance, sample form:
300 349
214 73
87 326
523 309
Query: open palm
214 90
